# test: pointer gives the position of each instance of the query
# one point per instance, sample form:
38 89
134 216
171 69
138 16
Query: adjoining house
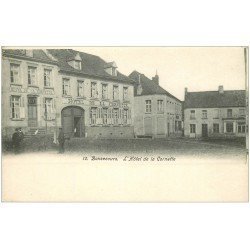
157 112
83 94
215 113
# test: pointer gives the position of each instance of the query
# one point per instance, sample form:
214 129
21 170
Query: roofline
215 107
215 91
28 58
97 76
159 94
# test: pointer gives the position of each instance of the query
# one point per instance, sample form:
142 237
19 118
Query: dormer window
76 62
78 65
111 68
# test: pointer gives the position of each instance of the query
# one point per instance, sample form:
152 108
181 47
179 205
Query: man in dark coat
61 140
17 138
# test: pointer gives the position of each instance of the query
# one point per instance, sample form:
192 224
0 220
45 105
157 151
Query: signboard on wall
31 90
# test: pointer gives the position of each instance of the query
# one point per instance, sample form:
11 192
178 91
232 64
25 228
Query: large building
157 112
46 89
215 113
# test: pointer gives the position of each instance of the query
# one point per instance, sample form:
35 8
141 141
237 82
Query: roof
92 65
214 99
38 55
148 86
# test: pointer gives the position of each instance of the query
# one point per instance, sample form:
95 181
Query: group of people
18 137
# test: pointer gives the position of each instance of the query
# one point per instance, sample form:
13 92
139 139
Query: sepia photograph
125 124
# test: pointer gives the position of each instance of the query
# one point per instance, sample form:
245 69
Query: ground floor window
192 128
216 128
93 115
115 116
125 116
241 127
229 127
105 116
16 107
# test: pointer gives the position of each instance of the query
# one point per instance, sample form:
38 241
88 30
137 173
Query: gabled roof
38 55
91 65
148 86
214 99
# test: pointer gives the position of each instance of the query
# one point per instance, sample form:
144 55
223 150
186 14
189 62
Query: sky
197 68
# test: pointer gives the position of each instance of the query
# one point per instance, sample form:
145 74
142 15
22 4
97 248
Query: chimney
29 52
155 79
186 91
221 90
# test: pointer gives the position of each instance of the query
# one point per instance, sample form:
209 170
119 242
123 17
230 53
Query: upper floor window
192 114
31 75
15 73
66 86
47 78
80 88
113 71
204 114
78 65
229 113
148 106
125 93
115 92
160 107
94 93
242 112
216 113
104 91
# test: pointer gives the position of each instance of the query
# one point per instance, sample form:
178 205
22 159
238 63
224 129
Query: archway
73 123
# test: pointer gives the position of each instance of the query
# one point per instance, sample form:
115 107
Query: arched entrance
73 121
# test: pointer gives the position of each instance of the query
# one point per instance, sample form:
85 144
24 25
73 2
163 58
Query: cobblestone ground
180 146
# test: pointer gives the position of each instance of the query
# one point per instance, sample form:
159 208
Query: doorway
73 122
204 130
32 111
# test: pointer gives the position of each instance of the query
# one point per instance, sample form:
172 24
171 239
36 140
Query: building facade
215 113
157 112
79 92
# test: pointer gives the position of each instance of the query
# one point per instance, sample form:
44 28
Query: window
115 92
77 65
160 106
15 105
115 116
241 127
148 106
14 73
125 93
93 90
105 116
80 88
204 114
66 87
104 91
192 114
93 115
192 128
113 71
31 76
216 128
125 116
229 113
216 113
229 127
47 78
242 112
48 106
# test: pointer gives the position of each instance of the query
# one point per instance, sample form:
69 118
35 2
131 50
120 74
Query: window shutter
10 113
90 116
22 109
129 116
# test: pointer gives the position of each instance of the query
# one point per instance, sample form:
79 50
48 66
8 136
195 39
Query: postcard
125 124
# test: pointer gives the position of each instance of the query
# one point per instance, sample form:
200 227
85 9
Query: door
73 122
168 128
160 126
32 111
204 130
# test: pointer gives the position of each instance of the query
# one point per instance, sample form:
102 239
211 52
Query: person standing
61 140
17 138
